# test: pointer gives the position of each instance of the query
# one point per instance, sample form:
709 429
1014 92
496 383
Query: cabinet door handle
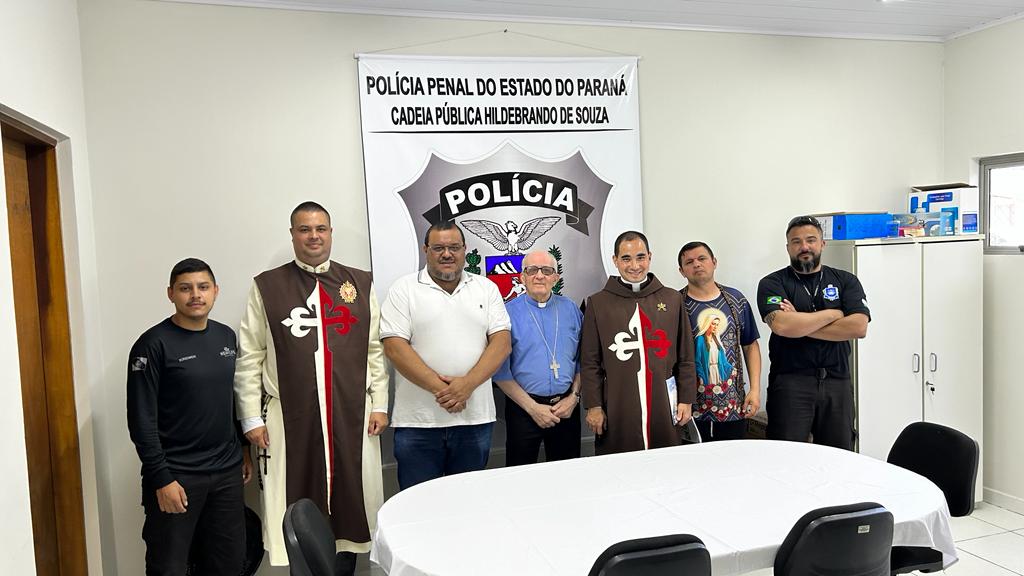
934 359
916 363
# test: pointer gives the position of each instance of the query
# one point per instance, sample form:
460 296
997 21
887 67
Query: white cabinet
922 357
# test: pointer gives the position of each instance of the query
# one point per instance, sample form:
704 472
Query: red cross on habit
656 340
338 315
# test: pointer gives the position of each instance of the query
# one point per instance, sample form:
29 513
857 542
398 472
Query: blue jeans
426 453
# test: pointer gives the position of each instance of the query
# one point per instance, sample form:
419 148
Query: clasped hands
454 395
546 416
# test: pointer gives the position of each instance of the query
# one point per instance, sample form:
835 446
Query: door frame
55 477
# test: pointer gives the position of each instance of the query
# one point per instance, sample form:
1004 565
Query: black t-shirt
829 288
181 401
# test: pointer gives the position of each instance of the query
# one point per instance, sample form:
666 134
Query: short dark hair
692 246
631 235
188 266
803 221
308 206
440 226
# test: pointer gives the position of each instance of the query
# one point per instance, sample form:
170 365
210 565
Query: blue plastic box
855 225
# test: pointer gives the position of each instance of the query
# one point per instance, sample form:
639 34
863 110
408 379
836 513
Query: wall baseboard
1004 500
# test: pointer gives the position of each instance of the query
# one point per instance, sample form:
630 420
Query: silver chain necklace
554 366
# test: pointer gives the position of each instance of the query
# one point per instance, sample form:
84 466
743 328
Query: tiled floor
990 543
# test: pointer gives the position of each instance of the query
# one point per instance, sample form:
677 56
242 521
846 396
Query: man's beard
805 266
448 276
444 276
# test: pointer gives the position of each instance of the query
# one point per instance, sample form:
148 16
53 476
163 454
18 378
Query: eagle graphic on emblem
511 238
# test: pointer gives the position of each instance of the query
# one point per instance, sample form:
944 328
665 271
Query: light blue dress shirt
530 360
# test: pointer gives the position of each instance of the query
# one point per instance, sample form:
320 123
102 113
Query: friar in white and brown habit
635 343
311 389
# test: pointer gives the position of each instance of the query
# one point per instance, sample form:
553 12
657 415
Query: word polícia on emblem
347 292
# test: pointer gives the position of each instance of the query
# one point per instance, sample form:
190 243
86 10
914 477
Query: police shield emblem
831 293
509 204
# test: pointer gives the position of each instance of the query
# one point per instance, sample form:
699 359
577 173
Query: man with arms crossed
723 325
813 312
636 345
540 376
446 332
181 419
312 391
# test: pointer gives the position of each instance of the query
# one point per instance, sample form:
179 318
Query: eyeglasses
453 248
532 270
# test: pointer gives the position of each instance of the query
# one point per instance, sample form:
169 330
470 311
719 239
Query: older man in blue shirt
541 375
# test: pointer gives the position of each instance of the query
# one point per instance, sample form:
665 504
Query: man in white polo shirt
446 332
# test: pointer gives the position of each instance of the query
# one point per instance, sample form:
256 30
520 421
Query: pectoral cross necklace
554 366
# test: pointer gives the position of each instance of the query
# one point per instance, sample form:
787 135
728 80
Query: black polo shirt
828 288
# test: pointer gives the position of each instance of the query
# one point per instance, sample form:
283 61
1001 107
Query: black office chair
947 457
676 554
850 540
309 540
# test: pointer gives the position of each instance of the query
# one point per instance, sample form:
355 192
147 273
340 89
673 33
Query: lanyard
817 285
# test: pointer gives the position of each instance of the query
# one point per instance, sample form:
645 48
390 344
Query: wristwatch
576 393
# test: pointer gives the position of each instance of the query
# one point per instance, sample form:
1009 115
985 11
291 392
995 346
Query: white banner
524 154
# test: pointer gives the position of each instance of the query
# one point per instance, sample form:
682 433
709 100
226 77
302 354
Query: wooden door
888 365
44 351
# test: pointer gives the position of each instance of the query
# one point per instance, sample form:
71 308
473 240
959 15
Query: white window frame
985 166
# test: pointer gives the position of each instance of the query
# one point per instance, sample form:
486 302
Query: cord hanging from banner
491 33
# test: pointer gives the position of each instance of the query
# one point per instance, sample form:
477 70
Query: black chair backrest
309 540
947 457
676 554
853 540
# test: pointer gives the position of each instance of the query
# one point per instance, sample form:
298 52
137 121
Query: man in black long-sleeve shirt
181 419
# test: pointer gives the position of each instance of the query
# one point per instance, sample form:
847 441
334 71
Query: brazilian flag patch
775 299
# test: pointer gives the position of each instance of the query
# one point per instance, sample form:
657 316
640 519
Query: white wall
208 124
41 78
983 92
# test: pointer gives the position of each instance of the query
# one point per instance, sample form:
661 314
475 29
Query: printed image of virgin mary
713 367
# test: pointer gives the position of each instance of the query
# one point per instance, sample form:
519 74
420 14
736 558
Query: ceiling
922 20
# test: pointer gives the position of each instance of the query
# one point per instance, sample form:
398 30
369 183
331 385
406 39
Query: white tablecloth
740 497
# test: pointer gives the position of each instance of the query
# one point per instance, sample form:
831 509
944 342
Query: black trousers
214 519
711 431
523 437
345 564
801 405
